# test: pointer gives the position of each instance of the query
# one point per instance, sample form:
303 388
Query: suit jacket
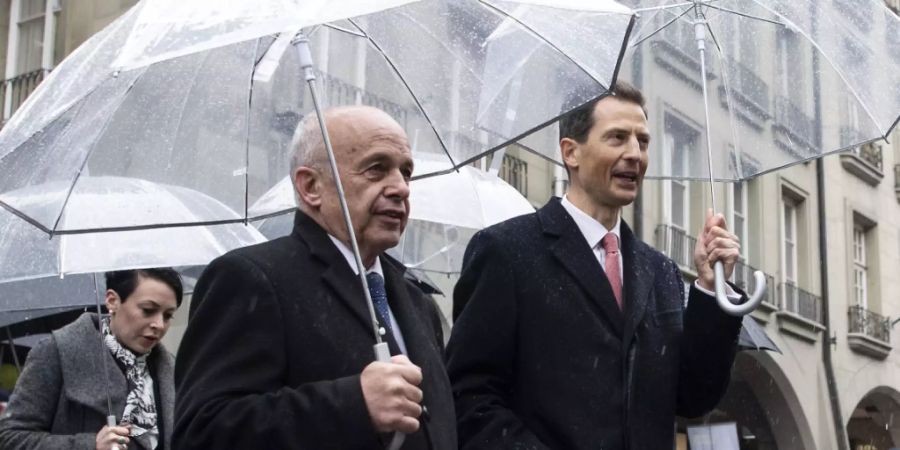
60 397
541 356
277 338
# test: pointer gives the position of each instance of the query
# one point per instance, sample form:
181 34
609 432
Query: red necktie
610 244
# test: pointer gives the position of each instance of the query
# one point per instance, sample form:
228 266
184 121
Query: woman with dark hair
60 399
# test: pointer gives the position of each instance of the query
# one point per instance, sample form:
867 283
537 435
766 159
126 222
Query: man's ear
308 185
569 149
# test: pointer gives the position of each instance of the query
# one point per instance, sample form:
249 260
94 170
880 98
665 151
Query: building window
860 266
515 172
789 239
680 144
31 35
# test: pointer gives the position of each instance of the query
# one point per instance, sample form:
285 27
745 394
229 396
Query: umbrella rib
834 66
26 218
409 89
90 151
662 27
749 16
147 227
622 49
344 30
247 140
542 38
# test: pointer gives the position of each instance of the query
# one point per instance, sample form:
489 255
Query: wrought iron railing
897 177
744 81
676 244
20 87
861 13
744 279
801 125
871 154
339 92
800 302
870 324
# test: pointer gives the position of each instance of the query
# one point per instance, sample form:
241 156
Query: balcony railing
20 87
897 177
340 92
861 13
801 127
800 302
676 244
744 279
871 154
744 82
870 324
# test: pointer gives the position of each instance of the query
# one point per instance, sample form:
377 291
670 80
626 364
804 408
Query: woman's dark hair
124 282
578 123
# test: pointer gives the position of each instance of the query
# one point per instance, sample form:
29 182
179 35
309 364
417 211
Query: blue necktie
379 299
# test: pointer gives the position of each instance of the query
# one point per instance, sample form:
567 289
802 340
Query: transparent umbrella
28 257
206 94
782 82
445 212
103 203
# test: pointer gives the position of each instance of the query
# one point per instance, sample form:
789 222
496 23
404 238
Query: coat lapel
639 279
574 255
401 303
336 273
83 383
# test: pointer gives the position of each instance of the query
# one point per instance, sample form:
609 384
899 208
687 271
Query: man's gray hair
307 144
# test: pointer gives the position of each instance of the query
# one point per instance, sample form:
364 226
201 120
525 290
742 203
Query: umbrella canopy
445 212
788 81
27 253
206 94
754 337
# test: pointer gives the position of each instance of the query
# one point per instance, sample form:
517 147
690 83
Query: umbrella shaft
700 34
302 45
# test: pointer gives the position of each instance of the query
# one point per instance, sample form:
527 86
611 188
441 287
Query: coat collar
571 250
338 275
83 356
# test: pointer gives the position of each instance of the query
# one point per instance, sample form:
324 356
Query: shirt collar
348 255
592 230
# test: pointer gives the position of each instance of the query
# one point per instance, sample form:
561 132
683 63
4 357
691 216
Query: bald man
278 349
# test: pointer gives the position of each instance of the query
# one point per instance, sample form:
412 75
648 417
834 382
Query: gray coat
60 397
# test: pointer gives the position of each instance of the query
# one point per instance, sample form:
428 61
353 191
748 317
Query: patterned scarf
140 404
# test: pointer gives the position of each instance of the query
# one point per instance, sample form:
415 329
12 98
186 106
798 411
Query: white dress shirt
593 232
376 268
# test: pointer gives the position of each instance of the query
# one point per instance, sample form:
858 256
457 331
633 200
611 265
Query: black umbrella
754 337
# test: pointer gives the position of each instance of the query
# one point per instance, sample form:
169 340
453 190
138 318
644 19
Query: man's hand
715 243
392 394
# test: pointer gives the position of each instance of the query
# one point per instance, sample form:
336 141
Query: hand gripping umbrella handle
743 308
383 354
111 422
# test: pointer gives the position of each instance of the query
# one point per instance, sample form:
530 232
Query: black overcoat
277 338
541 357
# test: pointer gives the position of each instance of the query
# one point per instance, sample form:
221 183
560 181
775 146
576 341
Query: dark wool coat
60 398
278 336
541 357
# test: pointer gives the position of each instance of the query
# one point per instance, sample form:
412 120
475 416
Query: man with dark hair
278 352
570 332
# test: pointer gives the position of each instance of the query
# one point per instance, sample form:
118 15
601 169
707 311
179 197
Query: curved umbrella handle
383 354
730 308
